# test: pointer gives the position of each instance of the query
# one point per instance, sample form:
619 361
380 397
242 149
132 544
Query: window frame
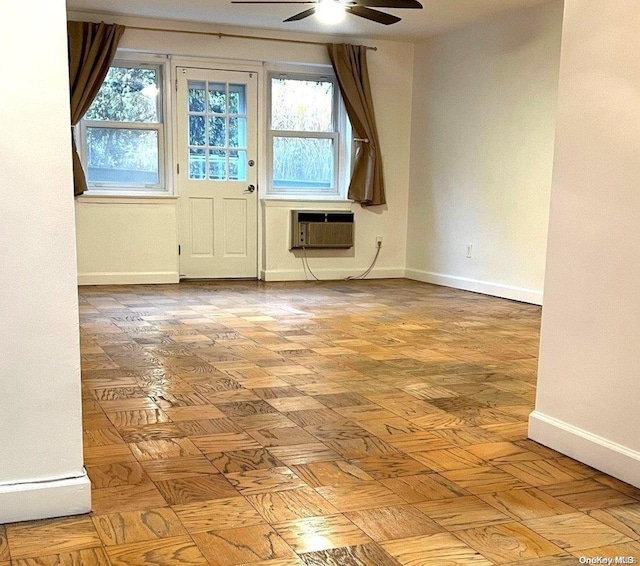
163 128
340 135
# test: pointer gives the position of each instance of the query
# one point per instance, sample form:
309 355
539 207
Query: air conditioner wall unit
321 229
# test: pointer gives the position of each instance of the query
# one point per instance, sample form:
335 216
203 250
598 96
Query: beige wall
483 118
588 389
41 473
145 255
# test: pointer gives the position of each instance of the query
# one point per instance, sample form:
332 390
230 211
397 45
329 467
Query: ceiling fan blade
373 15
302 15
389 3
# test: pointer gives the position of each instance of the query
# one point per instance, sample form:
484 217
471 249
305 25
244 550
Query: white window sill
274 201
129 198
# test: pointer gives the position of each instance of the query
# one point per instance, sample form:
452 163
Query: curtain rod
239 36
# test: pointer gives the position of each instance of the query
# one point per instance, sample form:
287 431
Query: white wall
588 401
484 103
391 68
41 471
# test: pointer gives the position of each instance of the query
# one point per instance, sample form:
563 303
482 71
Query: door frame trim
214 64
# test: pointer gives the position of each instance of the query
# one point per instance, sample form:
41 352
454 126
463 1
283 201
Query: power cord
363 275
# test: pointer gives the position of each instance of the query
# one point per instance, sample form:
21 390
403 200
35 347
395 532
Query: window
122 134
307 133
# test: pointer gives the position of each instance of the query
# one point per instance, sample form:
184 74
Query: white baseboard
595 451
128 278
521 294
328 274
44 499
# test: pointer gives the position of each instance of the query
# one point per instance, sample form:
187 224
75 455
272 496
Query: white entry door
217 179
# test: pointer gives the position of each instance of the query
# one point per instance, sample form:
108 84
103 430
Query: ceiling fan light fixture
330 11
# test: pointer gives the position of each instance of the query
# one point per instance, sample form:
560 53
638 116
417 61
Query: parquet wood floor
364 423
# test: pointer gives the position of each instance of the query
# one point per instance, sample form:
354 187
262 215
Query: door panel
217 139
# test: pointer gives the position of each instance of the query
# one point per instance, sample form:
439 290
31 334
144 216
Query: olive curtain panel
350 65
92 48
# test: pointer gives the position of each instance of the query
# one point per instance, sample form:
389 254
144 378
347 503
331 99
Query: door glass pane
120 155
217 163
196 96
197 165
303 163
217 98
237 132
237 165
196 130
217 132
237 99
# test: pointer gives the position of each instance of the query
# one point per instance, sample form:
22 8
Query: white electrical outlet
469 249
379 241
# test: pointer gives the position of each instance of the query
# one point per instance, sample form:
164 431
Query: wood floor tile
624 518
193 413
321 533
304 453
433 550
337 472
90 557
424 487
283 436
450 459
381 467
174 551
113 475
362 447
177 468
484 479
389 523
291 504
242 545
164 448
218 514
508 542
205 427
4 545
107 455
194 489
522 504
462 513
587 494
40 538
244 460
360 555
126 498
540 472
286 404
576 531
137 526
390 427
502 452
263 481
267 420
138 417
361 495
225 442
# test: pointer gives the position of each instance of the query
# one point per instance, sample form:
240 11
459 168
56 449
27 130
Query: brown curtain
350 65
91 51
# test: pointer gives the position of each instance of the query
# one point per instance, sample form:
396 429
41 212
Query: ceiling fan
361 8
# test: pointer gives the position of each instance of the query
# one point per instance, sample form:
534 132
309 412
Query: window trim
164 187
340 135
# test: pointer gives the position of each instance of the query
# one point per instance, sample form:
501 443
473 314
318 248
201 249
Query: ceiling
437 16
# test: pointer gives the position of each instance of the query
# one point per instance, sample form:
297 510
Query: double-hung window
308 137
122 135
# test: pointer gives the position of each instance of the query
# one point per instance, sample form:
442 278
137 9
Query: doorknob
250 189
